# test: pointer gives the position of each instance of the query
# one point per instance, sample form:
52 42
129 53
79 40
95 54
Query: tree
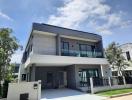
9 72
8 46
115 58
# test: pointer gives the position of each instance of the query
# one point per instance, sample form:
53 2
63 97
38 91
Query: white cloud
16 58
75 12
3 15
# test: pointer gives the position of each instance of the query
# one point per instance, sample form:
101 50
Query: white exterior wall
44 44
15 89
105 71
125 48
53 60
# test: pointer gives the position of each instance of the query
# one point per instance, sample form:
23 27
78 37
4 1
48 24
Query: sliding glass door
85 75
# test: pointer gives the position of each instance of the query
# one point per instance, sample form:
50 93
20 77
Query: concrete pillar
102 72
109 78
58 45
124 80
91 85
39 89
32 73
27 74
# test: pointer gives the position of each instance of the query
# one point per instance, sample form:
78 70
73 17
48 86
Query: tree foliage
115 58
8 46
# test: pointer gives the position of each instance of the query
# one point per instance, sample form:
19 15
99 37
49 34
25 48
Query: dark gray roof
65 31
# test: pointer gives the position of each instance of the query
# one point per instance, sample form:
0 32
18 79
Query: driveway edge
119 95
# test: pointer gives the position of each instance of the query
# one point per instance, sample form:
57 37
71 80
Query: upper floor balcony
76 53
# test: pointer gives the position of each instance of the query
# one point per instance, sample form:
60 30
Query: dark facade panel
65 31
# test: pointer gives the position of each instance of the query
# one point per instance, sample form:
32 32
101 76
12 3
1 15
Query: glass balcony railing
89 54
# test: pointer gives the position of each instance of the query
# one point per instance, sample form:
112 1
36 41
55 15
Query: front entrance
49 80
62 78
56 79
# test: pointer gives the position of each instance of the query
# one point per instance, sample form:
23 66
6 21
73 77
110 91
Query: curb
120 95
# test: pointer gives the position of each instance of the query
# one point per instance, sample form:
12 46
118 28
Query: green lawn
114 92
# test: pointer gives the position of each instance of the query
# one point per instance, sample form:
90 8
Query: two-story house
62 57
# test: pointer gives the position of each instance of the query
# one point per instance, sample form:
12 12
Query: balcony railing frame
92 54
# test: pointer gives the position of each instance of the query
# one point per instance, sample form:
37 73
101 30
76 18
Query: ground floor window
88 73
114 73
85 74
128 73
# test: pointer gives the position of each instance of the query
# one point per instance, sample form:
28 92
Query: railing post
109 78
91 85
102 72
124 81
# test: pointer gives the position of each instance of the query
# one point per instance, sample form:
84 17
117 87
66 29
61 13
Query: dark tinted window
83 47
23 77
49 77
65 45
128 55
16 70
89 73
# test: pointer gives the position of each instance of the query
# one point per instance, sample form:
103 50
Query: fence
97 82
108 83
24 91
128 80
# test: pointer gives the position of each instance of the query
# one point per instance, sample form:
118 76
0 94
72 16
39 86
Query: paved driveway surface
68 94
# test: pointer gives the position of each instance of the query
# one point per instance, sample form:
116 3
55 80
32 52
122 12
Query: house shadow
58 93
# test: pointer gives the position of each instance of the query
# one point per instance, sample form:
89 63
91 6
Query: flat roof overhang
66 36
54 60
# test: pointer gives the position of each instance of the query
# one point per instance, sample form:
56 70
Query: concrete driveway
68 94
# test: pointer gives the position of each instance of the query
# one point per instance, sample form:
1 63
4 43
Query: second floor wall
45 44
53 45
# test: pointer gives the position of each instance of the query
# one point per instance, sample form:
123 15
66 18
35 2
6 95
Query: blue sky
110 18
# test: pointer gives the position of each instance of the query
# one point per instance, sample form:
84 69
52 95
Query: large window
65 48
128 55
85 74
86 50
65 45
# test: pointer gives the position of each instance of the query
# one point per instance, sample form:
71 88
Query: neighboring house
127 53
62 57
16 70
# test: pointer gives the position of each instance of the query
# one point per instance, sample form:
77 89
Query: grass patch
114 92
